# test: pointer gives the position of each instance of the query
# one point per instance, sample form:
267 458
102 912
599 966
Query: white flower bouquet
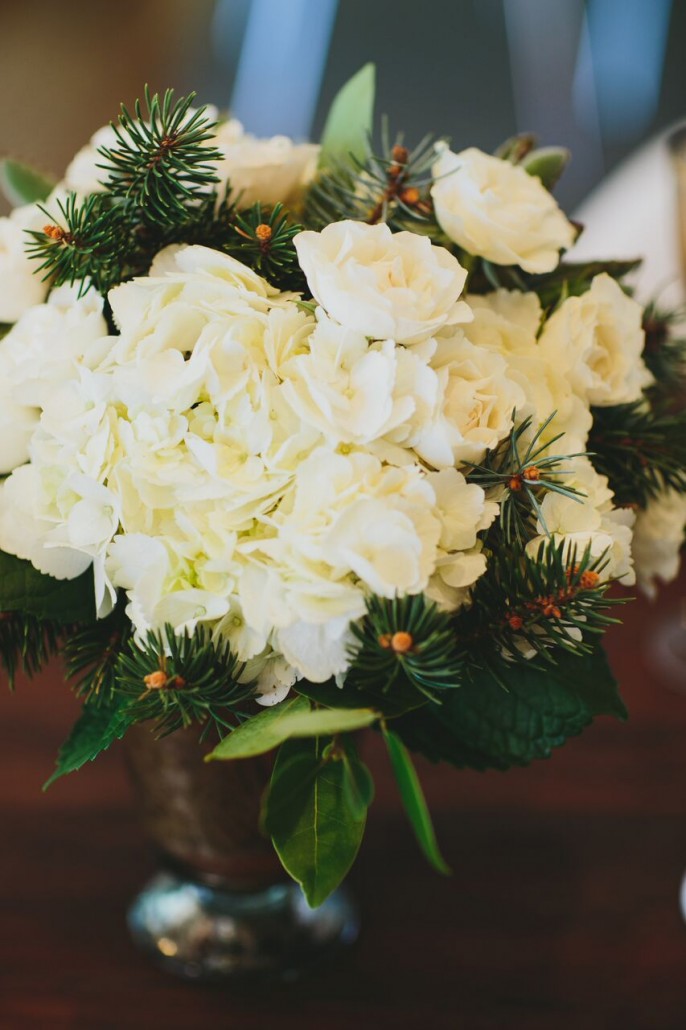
299 440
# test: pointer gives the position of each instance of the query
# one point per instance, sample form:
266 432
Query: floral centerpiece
299 440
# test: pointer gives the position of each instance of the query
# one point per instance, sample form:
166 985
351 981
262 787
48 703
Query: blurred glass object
279 75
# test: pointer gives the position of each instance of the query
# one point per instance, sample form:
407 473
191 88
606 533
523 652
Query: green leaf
98 727
24 588
485 726
358 784
414 800
22 184
313 830
349 121
547 163
293 718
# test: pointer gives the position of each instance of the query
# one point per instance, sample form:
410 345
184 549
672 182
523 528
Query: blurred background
599 76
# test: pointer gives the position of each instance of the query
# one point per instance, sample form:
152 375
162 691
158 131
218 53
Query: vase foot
203 932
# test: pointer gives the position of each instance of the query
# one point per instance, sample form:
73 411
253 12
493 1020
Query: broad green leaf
24 588
315 834
350 118
323 721
358 784
259 734
414 800
481 725
547 163
292 718
22 184
98 727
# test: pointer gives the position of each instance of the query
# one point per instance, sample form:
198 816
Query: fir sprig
391 185
524 473
26 643
84 243
263 239
543 604
91 653
161 160
665 352
641 449
404 640
180 679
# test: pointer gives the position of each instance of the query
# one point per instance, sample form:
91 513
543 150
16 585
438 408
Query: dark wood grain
562 912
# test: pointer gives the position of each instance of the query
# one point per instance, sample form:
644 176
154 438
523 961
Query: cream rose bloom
498 211
20 285
475 408
385 285
264 170
596 341
659 535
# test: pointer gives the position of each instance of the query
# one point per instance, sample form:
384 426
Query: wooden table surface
562 912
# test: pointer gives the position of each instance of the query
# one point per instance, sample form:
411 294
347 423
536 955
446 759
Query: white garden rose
84 173
659 535
266 170
476 404
596 341
20 285
498 211
385 285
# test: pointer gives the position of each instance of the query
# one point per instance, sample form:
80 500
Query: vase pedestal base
204 932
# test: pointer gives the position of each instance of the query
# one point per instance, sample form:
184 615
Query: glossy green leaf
23 185
261 733
547 163
350 119
313 830
358 783
24 588
414 801
98 727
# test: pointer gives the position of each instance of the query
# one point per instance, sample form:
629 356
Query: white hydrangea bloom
659 535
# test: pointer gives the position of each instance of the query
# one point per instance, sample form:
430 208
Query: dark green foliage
665 354
490 725
24 589
641 449
26 643
162 160
390 186
569 279
179 679
524 475
91 653
98 727
426 662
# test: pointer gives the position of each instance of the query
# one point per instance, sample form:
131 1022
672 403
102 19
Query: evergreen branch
543 605
522 478
404 641
391 186
91 654
161 160
180 679
26 643
264 240
665 353
641 449
83 244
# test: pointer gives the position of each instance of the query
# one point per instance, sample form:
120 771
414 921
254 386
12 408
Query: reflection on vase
222 906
